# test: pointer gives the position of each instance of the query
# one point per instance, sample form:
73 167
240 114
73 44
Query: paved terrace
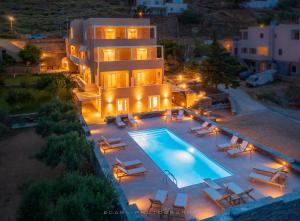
139 189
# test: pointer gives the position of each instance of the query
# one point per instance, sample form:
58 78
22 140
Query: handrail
170 175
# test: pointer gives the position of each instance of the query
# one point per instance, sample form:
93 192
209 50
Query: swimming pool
189 165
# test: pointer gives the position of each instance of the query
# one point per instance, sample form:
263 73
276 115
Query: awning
82 49
87 96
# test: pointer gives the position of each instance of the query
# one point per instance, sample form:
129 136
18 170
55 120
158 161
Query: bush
69 198
69 149
15 97
44 82
30 54
190 17
8 60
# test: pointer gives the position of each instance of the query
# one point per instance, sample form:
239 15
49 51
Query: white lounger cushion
213 194
181 200
234 188
232 142
204 132
241 149
212 184
110 140
161 196
117 145
258 176
262 168
137 170
204 125
128 163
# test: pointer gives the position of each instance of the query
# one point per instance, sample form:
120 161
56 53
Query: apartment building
260 4
163 7
269 47
120 65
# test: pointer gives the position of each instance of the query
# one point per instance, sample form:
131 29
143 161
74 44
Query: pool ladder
169 175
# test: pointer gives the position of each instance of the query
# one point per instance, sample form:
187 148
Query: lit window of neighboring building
71 33
111 81
132 33
154 103
141 54
122 105
263 51
140 78
109 55
110 33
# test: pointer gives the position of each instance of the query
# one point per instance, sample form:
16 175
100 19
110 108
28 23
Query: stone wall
285 208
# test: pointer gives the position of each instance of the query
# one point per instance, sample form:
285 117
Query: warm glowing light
166 95
141 14
180 77
10 18
182 103
139 97
184 86
262 25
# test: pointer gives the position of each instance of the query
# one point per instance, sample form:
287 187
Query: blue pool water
189 165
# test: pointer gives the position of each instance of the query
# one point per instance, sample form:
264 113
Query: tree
219 68
30 54
190 17
70 149
236 3
69 198
140 11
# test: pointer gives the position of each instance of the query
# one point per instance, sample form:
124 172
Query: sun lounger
122 172
112 140
278 179
119 122
210 130
180 115
217 197
127 164
236 189
203 126
244 147
168 116
230 145
268 170
180 205
158 201
212 184
131 120
107 146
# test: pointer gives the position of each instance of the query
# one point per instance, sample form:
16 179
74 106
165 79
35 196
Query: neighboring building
121 67
268 47
163 7
259 4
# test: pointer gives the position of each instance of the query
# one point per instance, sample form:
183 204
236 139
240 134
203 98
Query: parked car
261 78
38 37
245 74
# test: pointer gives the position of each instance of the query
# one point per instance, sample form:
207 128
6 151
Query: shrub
30 54
190 17
44 82
69 149
15 97
70 198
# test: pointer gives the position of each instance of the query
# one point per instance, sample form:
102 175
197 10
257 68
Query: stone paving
139 189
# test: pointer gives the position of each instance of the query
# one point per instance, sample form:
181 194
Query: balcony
78 61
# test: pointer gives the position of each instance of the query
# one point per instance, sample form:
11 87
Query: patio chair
158 201
236 189
203 126
127 164
112 140
212 184
278 179
107 146
168 116
267 170
243 148
132 122
232 144
218 198
180 115
121 172
119 122
209 131
179 206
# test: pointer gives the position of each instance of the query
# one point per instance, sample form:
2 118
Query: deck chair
168 116
278 179
212 184
209 131
127 164
244 147
107 146
268 170
119 122
122 172
112 140
236 189
217 197
158 201
180 115
232 144
179 206
203 126
131 120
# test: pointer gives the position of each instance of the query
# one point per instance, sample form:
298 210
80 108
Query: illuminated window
140 78
71 33
141 54
154 103
109 55
111 80
110 33
122 105
263 51
132 33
